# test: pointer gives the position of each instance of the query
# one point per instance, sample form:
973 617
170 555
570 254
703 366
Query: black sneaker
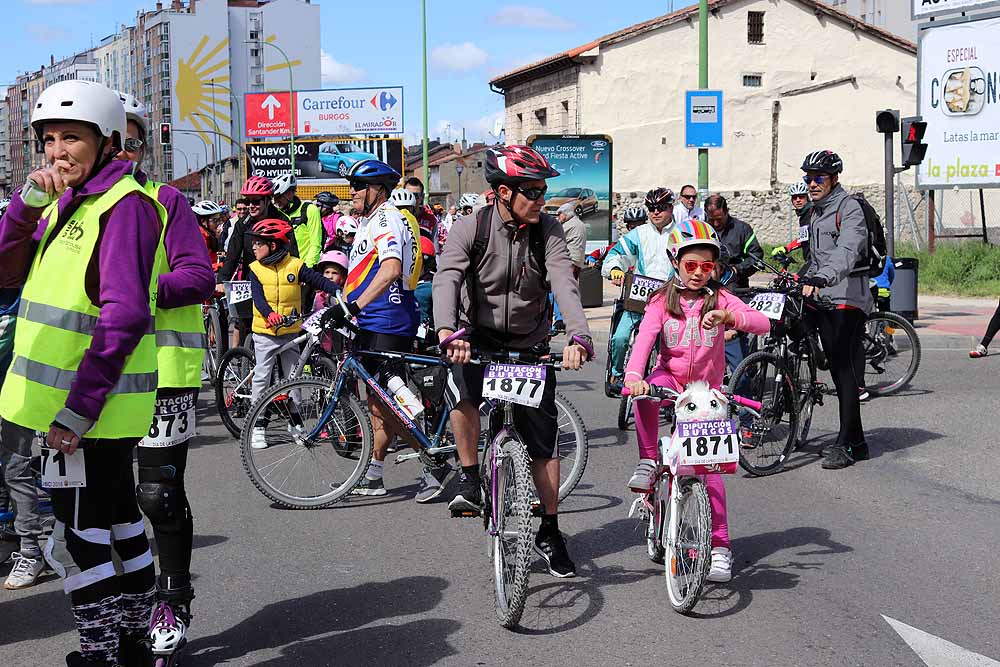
552 548
837 457
859 452
468 499
369 487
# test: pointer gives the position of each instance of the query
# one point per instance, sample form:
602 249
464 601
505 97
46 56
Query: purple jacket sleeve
19 237
191 279
127 255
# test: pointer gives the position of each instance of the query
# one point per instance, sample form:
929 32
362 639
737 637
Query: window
755 27
755 80
541 117
254 35
254 53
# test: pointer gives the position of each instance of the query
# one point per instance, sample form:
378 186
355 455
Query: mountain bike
677 512
217 335
892 353
234 384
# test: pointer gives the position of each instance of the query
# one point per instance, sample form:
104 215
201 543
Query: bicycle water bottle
404 396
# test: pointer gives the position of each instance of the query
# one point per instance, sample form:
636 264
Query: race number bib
515 383
238 291
708 444
173 421
63 471
803 233
312 323
771 304
642 287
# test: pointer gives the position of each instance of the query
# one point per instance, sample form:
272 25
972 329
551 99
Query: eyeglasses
533 193
690 266
689 196
819 179
133 145
255 202
659 209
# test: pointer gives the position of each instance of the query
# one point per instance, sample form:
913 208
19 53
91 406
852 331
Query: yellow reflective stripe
58 378
168 338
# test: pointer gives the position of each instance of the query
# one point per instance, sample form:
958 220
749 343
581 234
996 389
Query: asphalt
821 555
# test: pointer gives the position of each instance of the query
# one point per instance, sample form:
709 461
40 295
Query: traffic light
164 134
887 122
913 148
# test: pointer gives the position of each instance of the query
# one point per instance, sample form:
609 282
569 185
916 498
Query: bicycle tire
804 378
877 352
625 402
354 435
576 433
213 329
233 388
655 550
514 512
764 378
689 553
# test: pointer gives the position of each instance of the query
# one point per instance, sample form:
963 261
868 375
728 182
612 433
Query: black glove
353 308
812 281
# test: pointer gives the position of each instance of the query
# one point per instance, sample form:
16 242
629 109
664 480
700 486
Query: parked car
338 157
584 198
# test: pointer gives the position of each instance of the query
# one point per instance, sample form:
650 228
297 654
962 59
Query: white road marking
936 652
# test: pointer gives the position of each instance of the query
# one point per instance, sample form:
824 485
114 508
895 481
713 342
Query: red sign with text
269 114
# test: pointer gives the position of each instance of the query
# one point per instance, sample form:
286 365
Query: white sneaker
642 478
24 573
257 439
722 565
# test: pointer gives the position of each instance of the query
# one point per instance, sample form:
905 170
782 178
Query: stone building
796 75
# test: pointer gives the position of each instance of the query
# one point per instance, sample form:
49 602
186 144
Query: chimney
52 60
159 6
176 5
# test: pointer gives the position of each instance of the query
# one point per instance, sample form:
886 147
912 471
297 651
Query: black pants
840 332
992 329
90 519
174 536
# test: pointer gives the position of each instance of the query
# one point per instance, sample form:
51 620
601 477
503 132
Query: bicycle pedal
464 514
537 509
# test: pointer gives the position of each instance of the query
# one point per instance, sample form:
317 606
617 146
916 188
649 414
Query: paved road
821 556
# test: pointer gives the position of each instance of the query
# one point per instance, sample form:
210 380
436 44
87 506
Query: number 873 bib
173 420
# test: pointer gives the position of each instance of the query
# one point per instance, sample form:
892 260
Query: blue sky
469 42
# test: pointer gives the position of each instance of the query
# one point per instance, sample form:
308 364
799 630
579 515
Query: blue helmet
373 172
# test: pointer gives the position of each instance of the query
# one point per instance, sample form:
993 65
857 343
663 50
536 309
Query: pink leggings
647 428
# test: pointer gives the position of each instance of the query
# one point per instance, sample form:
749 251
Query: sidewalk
945 322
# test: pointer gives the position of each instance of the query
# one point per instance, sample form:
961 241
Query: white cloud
458 57
336 72
523 16
45 33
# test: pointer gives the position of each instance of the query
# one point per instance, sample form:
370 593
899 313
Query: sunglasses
357 186
659 209
255 202
257 243
533 193
688 196
133 145
818 180
690 265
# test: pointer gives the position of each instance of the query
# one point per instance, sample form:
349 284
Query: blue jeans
619 341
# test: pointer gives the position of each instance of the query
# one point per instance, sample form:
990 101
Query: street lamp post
215 140
459 169
187 165
423 8
703 84
239 123
291 89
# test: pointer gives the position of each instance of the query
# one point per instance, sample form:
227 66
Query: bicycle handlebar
658 393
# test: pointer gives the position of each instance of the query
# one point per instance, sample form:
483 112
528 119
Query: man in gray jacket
576 244
494 277
838 268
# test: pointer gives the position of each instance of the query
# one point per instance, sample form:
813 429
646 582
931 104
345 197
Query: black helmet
634 215
516 164
327 199
660 197
827 162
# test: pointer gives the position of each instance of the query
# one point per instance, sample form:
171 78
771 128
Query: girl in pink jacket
690 314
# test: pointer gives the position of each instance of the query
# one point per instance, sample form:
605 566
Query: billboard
584 166
958 85
268 114
923 9
320 162
340 112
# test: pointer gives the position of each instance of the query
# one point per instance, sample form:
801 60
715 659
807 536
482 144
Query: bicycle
234 383
217 334
892 353
676 510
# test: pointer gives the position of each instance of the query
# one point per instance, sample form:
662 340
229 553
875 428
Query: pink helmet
332 257
257 185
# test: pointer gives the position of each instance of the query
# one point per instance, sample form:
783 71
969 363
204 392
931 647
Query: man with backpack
841 253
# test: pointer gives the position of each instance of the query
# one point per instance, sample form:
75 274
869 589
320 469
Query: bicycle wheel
803 363
572 446
216 338
511 532
300 472
892 353
766 441
689 544
625 402
654 525
233 387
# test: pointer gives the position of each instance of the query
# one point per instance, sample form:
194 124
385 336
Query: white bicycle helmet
347 225
402 197
283 183
135 111
83 101
799 188
206 207
469 199
4 203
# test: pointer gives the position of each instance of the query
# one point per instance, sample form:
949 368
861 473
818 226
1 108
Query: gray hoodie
513 299
834 253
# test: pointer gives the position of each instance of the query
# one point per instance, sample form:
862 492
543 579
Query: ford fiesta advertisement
584 181
349 111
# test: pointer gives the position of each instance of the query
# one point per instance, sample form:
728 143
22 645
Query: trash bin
591 287
903 299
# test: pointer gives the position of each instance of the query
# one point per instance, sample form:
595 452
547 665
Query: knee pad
161 497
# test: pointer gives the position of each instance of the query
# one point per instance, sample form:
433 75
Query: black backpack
873 263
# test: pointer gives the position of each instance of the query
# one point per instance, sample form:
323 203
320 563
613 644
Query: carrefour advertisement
584 166
959 67
350 111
